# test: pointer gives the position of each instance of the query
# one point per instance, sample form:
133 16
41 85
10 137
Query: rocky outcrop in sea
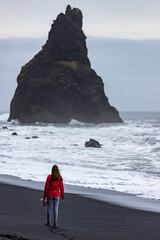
58 84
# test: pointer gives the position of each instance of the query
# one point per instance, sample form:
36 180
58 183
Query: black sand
23 217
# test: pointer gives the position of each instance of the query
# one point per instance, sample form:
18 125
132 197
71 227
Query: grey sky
123 39
104 18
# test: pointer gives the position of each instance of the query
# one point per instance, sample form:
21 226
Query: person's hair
55 173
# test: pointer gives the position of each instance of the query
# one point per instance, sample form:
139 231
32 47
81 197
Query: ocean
128 161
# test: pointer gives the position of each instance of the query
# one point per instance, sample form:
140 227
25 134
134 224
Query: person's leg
49 210
55 205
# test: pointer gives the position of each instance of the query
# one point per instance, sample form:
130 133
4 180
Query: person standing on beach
53 184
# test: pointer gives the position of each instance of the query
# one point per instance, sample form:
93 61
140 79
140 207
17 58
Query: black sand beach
22 216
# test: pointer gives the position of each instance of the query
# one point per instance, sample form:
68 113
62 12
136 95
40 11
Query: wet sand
22 216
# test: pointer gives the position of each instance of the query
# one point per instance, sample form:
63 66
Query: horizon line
88 36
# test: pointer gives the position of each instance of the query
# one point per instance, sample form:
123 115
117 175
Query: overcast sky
104 18
123 39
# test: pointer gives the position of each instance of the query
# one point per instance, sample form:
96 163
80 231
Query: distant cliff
58 84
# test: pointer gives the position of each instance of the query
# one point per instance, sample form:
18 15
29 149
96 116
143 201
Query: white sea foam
128 160
4 117
76 122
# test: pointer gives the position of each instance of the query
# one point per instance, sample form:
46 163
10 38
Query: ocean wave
15 122
5 156
76 122
149 141
128 160
156 149
4 117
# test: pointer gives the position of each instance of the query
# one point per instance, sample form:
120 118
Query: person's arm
61 188
46 188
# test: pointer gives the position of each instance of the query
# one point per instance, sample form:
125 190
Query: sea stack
58 84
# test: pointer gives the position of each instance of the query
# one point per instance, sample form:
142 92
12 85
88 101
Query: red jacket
52 188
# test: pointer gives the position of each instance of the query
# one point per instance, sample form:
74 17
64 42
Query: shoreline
108 196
